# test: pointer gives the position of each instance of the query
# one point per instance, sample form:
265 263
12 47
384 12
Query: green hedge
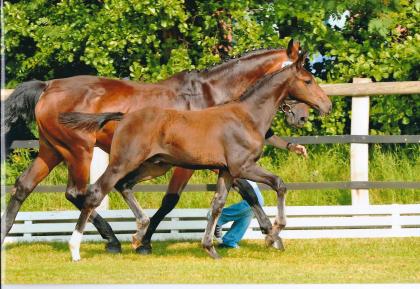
151 40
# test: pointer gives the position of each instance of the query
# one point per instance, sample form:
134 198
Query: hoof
145 249
278 244
274 242
269 241
212 252
113 247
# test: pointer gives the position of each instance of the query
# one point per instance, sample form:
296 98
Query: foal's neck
264 99
232 78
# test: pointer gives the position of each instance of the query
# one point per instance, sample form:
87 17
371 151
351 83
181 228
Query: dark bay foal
228 137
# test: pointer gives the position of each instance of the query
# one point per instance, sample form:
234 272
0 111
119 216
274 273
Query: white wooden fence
303 222
359 220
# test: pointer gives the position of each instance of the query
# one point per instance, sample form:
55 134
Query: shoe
218 232
224 246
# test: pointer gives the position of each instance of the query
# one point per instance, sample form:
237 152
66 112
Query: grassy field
392 260
325 163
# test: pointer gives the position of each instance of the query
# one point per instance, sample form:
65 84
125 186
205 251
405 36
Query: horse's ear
293 49
301 60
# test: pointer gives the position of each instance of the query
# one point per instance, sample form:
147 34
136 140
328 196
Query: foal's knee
94 196
280 186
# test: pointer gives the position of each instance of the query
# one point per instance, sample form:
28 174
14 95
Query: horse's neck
263 102
230 80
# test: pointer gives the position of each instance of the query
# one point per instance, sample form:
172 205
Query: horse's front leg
176 185
253 172
224 183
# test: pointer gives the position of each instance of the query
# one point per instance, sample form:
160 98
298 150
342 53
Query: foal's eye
308 81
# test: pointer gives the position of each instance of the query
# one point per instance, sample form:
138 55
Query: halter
288 105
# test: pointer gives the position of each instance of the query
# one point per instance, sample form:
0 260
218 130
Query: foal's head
303 87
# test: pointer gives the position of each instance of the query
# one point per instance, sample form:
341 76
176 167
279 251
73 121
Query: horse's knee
21 190
71 193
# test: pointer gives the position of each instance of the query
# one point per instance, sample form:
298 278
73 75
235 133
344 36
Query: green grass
391 260
325 163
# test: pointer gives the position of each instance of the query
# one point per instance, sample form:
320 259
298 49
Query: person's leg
238 229
233 212
241 215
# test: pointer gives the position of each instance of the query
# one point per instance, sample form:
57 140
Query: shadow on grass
184 248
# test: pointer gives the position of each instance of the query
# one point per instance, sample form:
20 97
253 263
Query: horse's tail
88 121
19 111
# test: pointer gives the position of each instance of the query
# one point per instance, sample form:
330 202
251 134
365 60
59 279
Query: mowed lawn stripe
391 260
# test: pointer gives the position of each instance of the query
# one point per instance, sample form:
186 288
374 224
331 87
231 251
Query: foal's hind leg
224 183
76 186
46 160
119 166
124 186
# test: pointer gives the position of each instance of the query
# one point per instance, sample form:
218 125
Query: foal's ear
293 49
301 60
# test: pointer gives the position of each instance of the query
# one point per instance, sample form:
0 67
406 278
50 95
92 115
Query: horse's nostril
303 119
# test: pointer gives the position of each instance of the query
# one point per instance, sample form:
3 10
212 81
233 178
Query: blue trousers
241 214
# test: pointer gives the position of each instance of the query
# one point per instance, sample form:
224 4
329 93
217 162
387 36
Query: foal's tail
89 122
19 111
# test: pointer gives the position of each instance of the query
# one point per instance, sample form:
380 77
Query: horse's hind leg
177 184
46 160
76 196
94 196
124 186
248 194
224 183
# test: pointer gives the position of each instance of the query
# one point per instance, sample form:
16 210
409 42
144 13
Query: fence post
359 153
97 168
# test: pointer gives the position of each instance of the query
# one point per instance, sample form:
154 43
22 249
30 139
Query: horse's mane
228 61
251 90
232 59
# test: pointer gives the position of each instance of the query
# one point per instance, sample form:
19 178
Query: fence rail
303 222
333 139
359 141
290 186
347 89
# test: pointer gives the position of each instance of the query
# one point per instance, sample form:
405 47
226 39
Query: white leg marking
74 244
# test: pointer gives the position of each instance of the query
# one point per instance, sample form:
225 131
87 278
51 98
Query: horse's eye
308 81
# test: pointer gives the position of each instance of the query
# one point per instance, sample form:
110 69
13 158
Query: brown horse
228 137
90 94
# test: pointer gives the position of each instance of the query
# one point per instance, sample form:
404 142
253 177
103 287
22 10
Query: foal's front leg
224 183
253 172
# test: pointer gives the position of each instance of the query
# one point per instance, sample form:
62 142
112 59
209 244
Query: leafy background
151 40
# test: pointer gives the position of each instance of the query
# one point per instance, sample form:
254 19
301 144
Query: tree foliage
151 40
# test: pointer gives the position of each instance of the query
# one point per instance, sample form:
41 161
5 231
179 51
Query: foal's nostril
303 119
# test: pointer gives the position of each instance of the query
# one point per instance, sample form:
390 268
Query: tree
151 40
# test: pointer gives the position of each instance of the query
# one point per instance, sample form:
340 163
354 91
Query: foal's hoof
212 252
144 249
278 244
113 247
